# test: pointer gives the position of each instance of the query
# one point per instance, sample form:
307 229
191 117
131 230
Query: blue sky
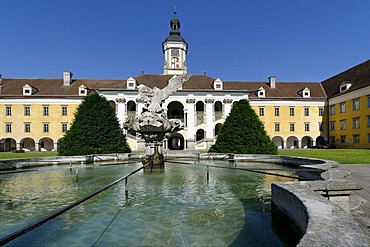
245 40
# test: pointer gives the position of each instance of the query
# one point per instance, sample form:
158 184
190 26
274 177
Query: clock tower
174 50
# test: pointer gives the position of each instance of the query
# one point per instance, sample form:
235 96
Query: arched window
218 110
199 135
175 110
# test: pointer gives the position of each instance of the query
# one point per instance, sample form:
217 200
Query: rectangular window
321 127
306 126
355 104
306 111
27 110
356 123
27 127
356 138
64 127
8 110
45 110
368 121
45 127
277 127
64 110
332 110
277 111
342 139
332 126
332 139
262 111
291 111
342 107
342 124
291 127
321 111
368 101
368 138
8 127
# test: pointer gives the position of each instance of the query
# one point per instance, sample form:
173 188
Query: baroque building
35 113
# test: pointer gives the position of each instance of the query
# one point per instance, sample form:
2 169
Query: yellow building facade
35 125
294 124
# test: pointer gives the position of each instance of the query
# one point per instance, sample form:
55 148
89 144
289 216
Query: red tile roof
359 75
55 88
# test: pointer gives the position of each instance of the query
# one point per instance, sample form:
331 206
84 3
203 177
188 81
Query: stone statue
152 124
153 98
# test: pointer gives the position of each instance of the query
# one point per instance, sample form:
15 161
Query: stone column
227 107
191 123
18 146
209 122
121 111
37 146
55 146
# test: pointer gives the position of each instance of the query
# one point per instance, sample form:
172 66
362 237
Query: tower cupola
174 49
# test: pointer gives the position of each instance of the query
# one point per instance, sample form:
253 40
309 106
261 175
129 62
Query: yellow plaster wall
269 120
348 115
36 119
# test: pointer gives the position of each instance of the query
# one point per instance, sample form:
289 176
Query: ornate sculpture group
152 124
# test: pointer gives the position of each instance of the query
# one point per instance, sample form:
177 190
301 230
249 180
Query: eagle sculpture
153 98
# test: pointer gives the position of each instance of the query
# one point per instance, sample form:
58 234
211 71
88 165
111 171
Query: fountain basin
170 208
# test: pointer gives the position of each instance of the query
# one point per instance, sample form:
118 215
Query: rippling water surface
177 207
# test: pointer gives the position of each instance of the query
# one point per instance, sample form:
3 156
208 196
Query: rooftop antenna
175 11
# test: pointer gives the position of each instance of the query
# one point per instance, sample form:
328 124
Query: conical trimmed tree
243 133
95 130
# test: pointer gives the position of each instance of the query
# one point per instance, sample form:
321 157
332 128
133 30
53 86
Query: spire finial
175 11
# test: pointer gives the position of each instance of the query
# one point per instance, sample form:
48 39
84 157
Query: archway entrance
278 141
7 144
46 144
306 142
28 144
176 142
320 142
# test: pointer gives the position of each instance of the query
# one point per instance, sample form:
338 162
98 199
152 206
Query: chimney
67 78
272 81
1 84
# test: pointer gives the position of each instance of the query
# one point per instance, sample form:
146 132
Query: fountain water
152 124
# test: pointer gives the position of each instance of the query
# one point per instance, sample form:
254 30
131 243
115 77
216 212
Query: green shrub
95 130
243 133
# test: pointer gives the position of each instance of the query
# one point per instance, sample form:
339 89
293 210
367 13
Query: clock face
175 52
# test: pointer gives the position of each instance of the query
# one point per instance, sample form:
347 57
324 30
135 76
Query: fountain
152 124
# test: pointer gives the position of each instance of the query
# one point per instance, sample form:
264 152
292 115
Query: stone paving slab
360 200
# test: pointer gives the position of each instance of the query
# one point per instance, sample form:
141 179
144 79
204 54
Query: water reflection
175 208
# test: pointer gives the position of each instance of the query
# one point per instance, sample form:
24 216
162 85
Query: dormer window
82 90
345 85
218 84
306 93
261 92
131 83
28 90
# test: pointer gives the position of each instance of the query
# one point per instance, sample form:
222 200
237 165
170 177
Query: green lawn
343 156
8 155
